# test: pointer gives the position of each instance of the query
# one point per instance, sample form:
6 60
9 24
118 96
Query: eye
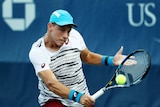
65 29
62 29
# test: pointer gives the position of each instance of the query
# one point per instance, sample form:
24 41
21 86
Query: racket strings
136 71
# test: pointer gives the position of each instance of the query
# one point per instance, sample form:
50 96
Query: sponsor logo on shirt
43 65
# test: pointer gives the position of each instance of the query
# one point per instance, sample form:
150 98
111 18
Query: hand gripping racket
134 73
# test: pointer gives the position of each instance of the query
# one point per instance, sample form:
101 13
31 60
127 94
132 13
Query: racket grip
98 93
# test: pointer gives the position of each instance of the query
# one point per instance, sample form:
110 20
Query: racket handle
98 93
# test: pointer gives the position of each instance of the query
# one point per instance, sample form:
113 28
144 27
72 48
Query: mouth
62 42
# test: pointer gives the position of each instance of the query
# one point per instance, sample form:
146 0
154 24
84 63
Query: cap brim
74 25
66 23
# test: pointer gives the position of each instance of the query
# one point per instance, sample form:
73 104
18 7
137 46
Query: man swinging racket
57 58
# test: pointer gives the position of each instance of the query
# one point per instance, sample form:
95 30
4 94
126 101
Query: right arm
60 89
53 84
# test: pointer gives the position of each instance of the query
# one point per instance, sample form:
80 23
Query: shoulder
38 43
76 40
37 47
75 34
74 30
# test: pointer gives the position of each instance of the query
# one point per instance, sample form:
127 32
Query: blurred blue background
105 25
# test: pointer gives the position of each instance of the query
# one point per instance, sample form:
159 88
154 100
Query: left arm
90 57
96 59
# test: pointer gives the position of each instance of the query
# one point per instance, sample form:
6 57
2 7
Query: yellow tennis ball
121 79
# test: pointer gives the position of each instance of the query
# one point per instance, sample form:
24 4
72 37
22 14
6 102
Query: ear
49 26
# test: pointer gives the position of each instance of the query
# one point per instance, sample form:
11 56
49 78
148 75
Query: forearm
59 89
96 59
53 84
93 58
67 93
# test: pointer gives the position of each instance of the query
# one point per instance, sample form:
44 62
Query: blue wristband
103 60
75 96
71 94
110 61
107 60
78 97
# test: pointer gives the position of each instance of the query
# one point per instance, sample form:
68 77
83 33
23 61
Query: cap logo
56 14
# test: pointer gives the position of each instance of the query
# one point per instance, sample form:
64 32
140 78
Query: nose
66 38
65 35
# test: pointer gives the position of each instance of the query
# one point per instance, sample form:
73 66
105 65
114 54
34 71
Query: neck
50 45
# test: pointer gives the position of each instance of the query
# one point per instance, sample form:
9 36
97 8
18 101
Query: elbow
86 60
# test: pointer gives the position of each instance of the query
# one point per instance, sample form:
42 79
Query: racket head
134 73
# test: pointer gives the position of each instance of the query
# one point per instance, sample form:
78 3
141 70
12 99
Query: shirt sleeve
39 60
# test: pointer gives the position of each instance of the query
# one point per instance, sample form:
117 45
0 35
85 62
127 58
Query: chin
59 45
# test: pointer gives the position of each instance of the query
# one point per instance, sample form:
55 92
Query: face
59 34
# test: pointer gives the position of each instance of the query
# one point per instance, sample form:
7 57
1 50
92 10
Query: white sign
143 12
18 24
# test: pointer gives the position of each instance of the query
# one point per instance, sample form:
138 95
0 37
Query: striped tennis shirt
64 63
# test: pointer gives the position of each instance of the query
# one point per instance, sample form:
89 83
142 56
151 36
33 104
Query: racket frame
109 84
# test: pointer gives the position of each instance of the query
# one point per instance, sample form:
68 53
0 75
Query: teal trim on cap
61 18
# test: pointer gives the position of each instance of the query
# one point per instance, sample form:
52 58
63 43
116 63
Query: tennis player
57 59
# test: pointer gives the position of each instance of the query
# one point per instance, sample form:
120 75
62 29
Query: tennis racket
134 73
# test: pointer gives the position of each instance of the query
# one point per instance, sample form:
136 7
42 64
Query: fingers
130 62
87 100
120 51
118 58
